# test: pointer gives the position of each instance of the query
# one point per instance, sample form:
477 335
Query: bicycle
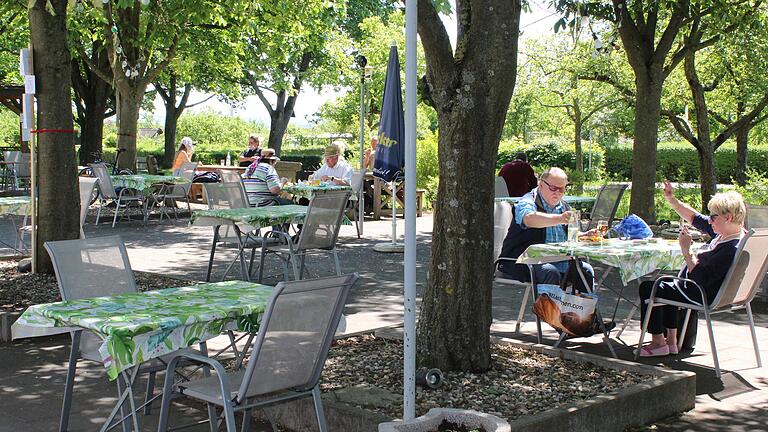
88 171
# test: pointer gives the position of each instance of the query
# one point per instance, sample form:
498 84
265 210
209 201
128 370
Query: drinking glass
602 228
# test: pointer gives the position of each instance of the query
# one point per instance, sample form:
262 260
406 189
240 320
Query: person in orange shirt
186 148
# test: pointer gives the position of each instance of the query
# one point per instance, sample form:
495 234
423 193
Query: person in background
519 175
541 216
370 154
253 151
184 154
263 186
335 170
708 267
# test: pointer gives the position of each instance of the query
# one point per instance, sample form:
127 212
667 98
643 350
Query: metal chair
606 204
501 188
176 192
319 233
757 216
12 158
86 186
285 362
737 291
91 268
357 182
230 176
107 192
503 214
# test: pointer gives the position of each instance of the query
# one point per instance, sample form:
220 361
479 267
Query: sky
539 21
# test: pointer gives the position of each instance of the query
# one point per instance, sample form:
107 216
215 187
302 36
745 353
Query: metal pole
361 195
393 187
409 264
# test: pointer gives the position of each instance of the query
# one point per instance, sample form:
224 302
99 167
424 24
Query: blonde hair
728 203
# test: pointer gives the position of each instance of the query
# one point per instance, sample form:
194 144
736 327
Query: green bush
9 128
756 189
546 153
427 167
680 162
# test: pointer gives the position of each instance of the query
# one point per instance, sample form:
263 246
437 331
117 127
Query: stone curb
670 393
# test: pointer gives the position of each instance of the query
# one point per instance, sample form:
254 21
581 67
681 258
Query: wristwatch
332 178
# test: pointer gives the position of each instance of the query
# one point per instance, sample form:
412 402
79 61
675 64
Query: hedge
681 162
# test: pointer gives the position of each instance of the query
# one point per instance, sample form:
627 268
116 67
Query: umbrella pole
394 211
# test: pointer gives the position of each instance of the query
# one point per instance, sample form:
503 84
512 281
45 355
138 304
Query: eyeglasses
555 188
713 217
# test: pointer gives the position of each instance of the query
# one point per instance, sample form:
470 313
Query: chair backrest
746 273
91 267
12 156
323 220
105 182
141 163
503 213
86 191
501 188
757 216
606 204
357 181
186 170
295 335
24 165
225 195
230 176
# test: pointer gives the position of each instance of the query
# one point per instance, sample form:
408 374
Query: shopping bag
571 313
633 227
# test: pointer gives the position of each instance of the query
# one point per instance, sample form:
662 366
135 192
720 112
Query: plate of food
590 239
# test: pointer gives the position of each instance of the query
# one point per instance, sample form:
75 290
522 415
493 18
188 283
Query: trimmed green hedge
680 162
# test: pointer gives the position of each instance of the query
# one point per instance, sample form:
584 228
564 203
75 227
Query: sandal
654 352
673 349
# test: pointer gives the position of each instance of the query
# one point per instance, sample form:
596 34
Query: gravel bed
21 290
519 383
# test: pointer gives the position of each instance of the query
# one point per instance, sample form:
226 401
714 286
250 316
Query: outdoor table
14 205
144 182
305 190
570 199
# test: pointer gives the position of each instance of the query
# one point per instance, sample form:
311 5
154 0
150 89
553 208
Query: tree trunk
169 136
708 177
647 117
93 125
58 203
92 101
578 123
277 128
128 118
471 90
742 137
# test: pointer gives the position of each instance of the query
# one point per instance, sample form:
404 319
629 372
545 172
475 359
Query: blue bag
632 227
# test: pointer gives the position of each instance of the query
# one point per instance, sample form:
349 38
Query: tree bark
471 89
58 203
129 103
92 102
277 128
647 117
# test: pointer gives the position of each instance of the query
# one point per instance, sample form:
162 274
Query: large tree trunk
277 128
742 138
58 203
471 90
708 176
129 103
169 136
93 125
647 117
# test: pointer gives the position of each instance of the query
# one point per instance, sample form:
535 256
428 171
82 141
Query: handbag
572 313
633 227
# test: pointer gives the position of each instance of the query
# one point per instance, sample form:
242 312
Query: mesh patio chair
92 268
86 186
606 204
502 218
10 170
737 291
230 176
107 192
176 192
285 362
501 188
357 182
319 233
757 216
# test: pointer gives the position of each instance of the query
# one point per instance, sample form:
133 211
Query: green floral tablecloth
257 217
18 205
143 182
304 190
632 258
570 199
139 326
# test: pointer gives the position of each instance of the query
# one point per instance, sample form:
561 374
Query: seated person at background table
335 170
541 217
519 175
263 185
252 152
184 154
707 267
370 154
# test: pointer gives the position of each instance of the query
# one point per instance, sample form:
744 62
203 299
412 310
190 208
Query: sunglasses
714 217
555 188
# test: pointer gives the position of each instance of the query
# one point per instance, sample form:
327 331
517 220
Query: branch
260 94
155 71
200 102
107 77
740 123
682 127
586 117
441 68
607 79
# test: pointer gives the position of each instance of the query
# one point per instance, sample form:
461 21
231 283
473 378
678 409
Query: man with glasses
541 216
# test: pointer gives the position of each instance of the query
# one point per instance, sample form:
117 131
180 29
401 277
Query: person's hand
669 193
324 178
565 217
684 239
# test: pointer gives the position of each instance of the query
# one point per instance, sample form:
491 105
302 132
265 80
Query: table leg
213 252
74 353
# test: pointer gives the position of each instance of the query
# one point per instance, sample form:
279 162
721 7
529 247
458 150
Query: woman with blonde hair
707 267
184 154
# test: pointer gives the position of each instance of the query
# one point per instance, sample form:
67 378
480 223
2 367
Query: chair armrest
678 279
499 259
213 363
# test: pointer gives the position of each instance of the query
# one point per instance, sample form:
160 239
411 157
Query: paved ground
32 378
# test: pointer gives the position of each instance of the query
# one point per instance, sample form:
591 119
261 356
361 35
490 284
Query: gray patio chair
606 204
176 192
88 268
357 182
230 195
230 176
107 192
757 216
9 170
86 186
285 362
737 291
503 214
500 186
319 233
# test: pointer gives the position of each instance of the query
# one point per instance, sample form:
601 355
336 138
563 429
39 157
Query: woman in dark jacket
708 267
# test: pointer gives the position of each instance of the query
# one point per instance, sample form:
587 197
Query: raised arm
684 210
